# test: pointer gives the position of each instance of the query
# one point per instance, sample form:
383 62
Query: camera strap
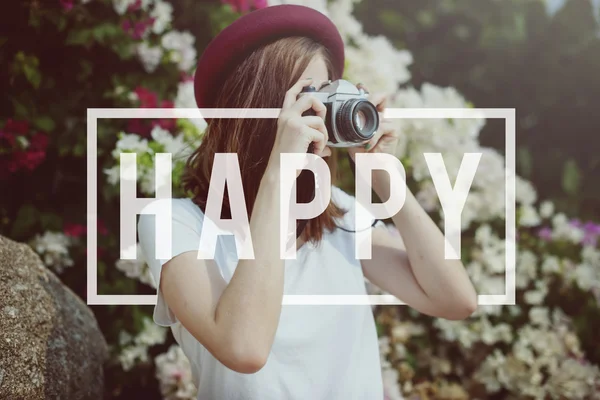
301 224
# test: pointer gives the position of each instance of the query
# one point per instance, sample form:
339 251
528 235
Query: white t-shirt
320 352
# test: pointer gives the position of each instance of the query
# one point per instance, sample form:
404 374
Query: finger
374 140
354 150
317 123
315 137
379 100
292 94
306 103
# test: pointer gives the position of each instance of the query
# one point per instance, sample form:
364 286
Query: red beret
253 30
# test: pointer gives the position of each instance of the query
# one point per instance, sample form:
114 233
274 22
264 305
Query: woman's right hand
295 132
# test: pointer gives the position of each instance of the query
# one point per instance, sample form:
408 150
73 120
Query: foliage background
58 58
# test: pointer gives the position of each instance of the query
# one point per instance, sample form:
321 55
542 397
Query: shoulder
171 225
342 199
180 210
181 217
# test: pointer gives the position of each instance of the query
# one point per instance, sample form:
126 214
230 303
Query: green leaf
102 33
571 178
80 37
21 111
24 221
44 123
79 149
525 162
33 75
50 221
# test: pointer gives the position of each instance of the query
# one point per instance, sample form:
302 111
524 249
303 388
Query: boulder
50 343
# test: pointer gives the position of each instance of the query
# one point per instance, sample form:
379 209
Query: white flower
340 12
529 216
149 56
113 174
181 47
563 230
162 14
537 295
525 192
319 5
586 276
546 209
551 265
130 143
174 374
391 386
151 334
173 145
185 99
526 270
390 70
137 269
136 349
121 6
53 249
540 316
131 355
574 380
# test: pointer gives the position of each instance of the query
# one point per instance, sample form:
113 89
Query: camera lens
360 119
357 120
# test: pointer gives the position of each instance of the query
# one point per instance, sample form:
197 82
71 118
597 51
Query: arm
417 271
238 327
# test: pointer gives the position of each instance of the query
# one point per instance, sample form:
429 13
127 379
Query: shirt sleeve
185 236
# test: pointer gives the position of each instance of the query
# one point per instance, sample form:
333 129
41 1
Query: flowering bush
126 53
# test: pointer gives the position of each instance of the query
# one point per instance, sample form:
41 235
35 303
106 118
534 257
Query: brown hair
260 81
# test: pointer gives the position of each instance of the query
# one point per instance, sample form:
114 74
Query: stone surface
50 343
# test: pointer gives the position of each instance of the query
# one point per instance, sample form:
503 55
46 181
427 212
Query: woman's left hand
387 136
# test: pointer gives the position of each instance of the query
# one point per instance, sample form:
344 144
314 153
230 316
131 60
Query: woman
226 313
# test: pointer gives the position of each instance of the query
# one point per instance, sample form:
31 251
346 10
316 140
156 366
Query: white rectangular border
94 114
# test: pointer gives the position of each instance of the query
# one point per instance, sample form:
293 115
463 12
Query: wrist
271 175
382 187
381 184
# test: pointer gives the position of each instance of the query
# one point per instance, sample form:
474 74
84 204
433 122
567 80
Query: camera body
351 119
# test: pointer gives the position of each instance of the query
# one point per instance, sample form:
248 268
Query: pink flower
137 30
545 233
147 98
102 228
186 77
177 375
135 6
74 230
18 127
245 5
67 5
39 142
258 4
29 159
78 230
8 137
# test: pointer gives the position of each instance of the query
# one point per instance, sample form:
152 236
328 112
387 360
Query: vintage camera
352 119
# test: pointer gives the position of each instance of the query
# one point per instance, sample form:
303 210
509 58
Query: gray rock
50 343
